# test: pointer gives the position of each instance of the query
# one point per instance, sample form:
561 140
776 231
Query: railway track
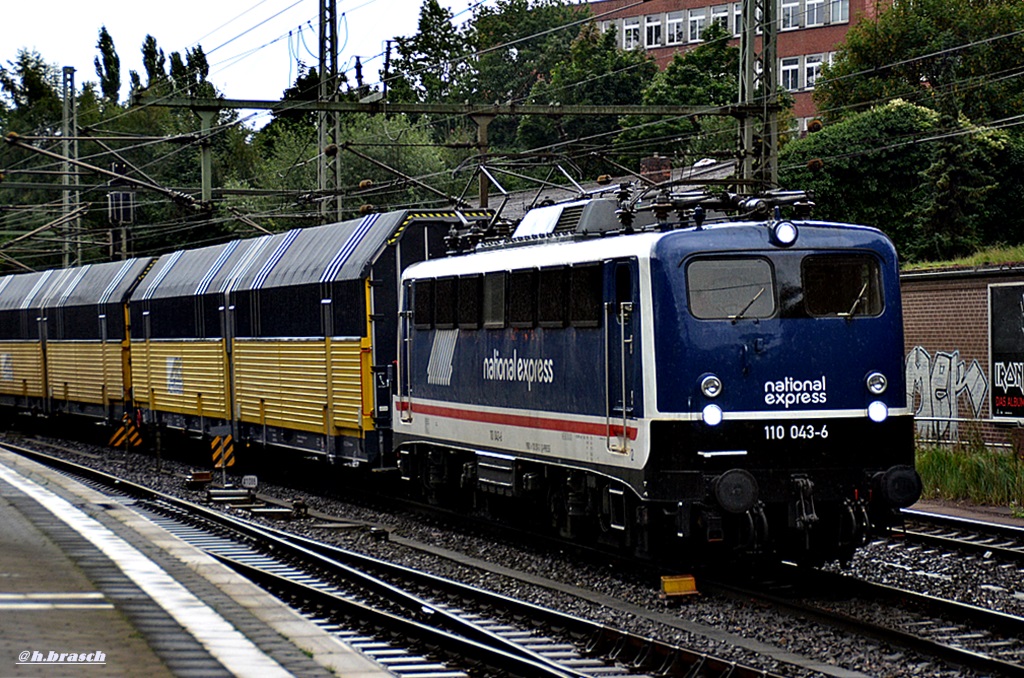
984 640
965 535
412 622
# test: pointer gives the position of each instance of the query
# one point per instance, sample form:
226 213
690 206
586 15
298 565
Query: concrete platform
88 587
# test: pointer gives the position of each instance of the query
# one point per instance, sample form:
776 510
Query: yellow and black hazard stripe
128 434
223 451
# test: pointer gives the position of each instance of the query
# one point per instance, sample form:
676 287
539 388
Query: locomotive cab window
731 288
842 285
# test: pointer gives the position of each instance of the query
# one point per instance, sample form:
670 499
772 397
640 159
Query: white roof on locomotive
543 253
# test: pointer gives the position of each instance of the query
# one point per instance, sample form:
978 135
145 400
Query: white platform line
231 648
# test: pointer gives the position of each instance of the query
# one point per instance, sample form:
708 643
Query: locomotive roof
80 286
729 236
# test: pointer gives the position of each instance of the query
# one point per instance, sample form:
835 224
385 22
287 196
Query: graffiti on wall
936 386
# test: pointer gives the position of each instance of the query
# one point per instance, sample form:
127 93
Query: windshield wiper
856 302
746 308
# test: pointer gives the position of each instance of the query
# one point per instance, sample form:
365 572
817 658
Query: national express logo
789 391
529 370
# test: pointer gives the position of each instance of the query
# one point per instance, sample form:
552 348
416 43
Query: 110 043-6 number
795 432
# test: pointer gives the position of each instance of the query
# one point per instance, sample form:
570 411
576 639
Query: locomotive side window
494 300
843 285
423 304
444 303
552 285
522 298
468 310
731 288
585 296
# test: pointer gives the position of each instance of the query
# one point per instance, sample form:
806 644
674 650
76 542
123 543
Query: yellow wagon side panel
85 371
347 380
21 369
184 377
282 383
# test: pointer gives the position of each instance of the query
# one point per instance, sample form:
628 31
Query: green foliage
972 473
705 76
32 87
960 57
288 161
108 67
597 72
517 43
931 188
431 65
865 169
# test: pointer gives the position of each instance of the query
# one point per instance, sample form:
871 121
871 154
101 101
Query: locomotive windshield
843 285
731 288
790 285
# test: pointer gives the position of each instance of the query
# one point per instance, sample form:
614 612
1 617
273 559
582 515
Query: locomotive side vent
569 219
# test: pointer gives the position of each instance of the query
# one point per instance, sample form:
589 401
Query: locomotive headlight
877 383
711 386
878 412
712 415
784 233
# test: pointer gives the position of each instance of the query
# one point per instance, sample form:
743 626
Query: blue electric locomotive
690 391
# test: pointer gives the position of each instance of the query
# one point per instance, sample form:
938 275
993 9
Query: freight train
623 370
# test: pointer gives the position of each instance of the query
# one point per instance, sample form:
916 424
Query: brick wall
946 344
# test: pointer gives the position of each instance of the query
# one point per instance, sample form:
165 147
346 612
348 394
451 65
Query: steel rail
630 650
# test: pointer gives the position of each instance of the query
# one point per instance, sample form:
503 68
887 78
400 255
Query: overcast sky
247 42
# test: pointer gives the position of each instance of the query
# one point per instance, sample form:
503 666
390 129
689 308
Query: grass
973 473
990 256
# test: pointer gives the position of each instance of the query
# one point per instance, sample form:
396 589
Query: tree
896 167
108 67
431 65
189 76
958 56
517 43
155 63
597 72
705 76
33 88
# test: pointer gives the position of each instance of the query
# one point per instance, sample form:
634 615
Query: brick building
949 332
809 33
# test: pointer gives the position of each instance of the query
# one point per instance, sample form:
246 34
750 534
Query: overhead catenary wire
566 142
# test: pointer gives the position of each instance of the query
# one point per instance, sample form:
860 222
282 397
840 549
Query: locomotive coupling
899 487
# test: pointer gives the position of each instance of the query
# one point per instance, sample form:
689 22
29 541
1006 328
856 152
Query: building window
737 16
698 19
790 18
652 32
631 33
839 11
789 76
674 32
812 69
814 14
720 16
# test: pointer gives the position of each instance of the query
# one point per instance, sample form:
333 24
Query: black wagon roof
320 254
87 285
